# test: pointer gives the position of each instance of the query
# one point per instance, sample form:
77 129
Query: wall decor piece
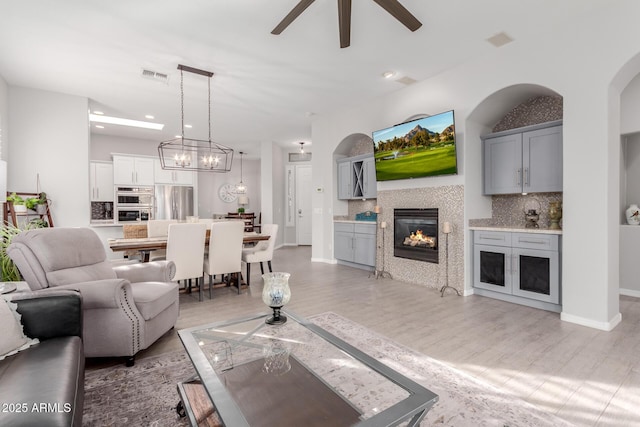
555 215
633 215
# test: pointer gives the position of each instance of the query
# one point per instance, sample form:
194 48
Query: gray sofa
45 383
126 308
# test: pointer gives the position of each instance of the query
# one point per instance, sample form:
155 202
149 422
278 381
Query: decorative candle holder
276 293
276 358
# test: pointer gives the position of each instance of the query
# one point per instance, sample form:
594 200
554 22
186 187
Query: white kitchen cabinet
171 176
355 243
131 170
357 177
101 181
525 160
518 267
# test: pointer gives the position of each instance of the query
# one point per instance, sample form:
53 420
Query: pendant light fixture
194 154
241 188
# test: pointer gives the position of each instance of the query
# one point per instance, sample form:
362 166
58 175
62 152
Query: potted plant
241 210
37 204
8 269
18 203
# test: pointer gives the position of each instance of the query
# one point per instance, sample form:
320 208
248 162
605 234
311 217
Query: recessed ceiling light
100 126
125 122
188 126
500 39
149 116
178 136
98 112
388 74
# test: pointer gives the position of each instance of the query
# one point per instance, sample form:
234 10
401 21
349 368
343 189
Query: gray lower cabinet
525 160
357 178
355 243
518 267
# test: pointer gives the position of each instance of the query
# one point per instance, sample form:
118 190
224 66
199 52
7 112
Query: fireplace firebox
415 234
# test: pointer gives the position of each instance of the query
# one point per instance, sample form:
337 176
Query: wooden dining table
145 245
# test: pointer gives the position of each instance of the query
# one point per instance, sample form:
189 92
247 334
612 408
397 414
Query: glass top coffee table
254 374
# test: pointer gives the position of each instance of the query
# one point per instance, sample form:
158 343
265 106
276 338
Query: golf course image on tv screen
417 148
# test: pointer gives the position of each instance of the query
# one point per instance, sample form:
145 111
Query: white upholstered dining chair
185 247
262 251
225 251
159 228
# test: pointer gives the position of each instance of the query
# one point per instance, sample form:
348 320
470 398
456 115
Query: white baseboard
326 261
467 292
630 292
603 326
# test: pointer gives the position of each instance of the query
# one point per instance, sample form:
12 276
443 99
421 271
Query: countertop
518 229
103 223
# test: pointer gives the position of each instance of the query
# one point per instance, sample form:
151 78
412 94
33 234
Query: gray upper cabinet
526 160
344 179
370 185
357 178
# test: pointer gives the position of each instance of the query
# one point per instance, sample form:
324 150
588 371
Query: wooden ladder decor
10 213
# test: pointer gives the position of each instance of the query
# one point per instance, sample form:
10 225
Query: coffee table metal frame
412 408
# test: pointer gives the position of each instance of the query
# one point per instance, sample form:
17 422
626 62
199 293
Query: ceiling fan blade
291 16
400 13
344 22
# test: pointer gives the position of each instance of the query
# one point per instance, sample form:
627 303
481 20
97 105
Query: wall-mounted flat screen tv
417 148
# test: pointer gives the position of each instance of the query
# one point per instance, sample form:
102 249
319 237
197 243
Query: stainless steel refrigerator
173 202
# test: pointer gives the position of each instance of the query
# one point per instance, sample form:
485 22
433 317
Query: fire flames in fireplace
419 239
415 234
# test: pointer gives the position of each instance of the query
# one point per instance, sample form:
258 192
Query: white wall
209 183
4 118
103 145
561 62
50 137
272 186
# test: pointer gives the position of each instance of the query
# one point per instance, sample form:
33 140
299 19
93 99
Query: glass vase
276 293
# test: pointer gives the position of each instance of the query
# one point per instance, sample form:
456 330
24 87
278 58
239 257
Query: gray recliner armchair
126 308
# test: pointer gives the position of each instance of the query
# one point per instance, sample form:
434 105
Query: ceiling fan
344 17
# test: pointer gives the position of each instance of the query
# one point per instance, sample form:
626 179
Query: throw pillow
12 339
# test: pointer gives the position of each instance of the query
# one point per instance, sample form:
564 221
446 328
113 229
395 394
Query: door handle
526 176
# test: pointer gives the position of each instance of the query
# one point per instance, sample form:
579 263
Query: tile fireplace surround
450 201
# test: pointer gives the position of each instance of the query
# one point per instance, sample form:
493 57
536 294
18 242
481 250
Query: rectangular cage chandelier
194 154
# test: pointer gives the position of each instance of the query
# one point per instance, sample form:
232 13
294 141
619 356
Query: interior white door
303 204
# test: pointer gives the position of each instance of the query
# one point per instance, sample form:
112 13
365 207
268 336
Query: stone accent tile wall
507 210
99 210
536 110
450 201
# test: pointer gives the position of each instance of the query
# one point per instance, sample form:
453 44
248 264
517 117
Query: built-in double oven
134 204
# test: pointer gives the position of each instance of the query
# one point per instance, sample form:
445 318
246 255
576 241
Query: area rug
146 395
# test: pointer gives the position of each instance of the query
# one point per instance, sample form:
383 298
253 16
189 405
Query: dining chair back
185 247
262 251
225 250
159 228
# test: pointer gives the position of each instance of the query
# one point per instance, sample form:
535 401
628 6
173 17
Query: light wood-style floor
586 376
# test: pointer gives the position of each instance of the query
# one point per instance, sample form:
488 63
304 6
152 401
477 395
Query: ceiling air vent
153 75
